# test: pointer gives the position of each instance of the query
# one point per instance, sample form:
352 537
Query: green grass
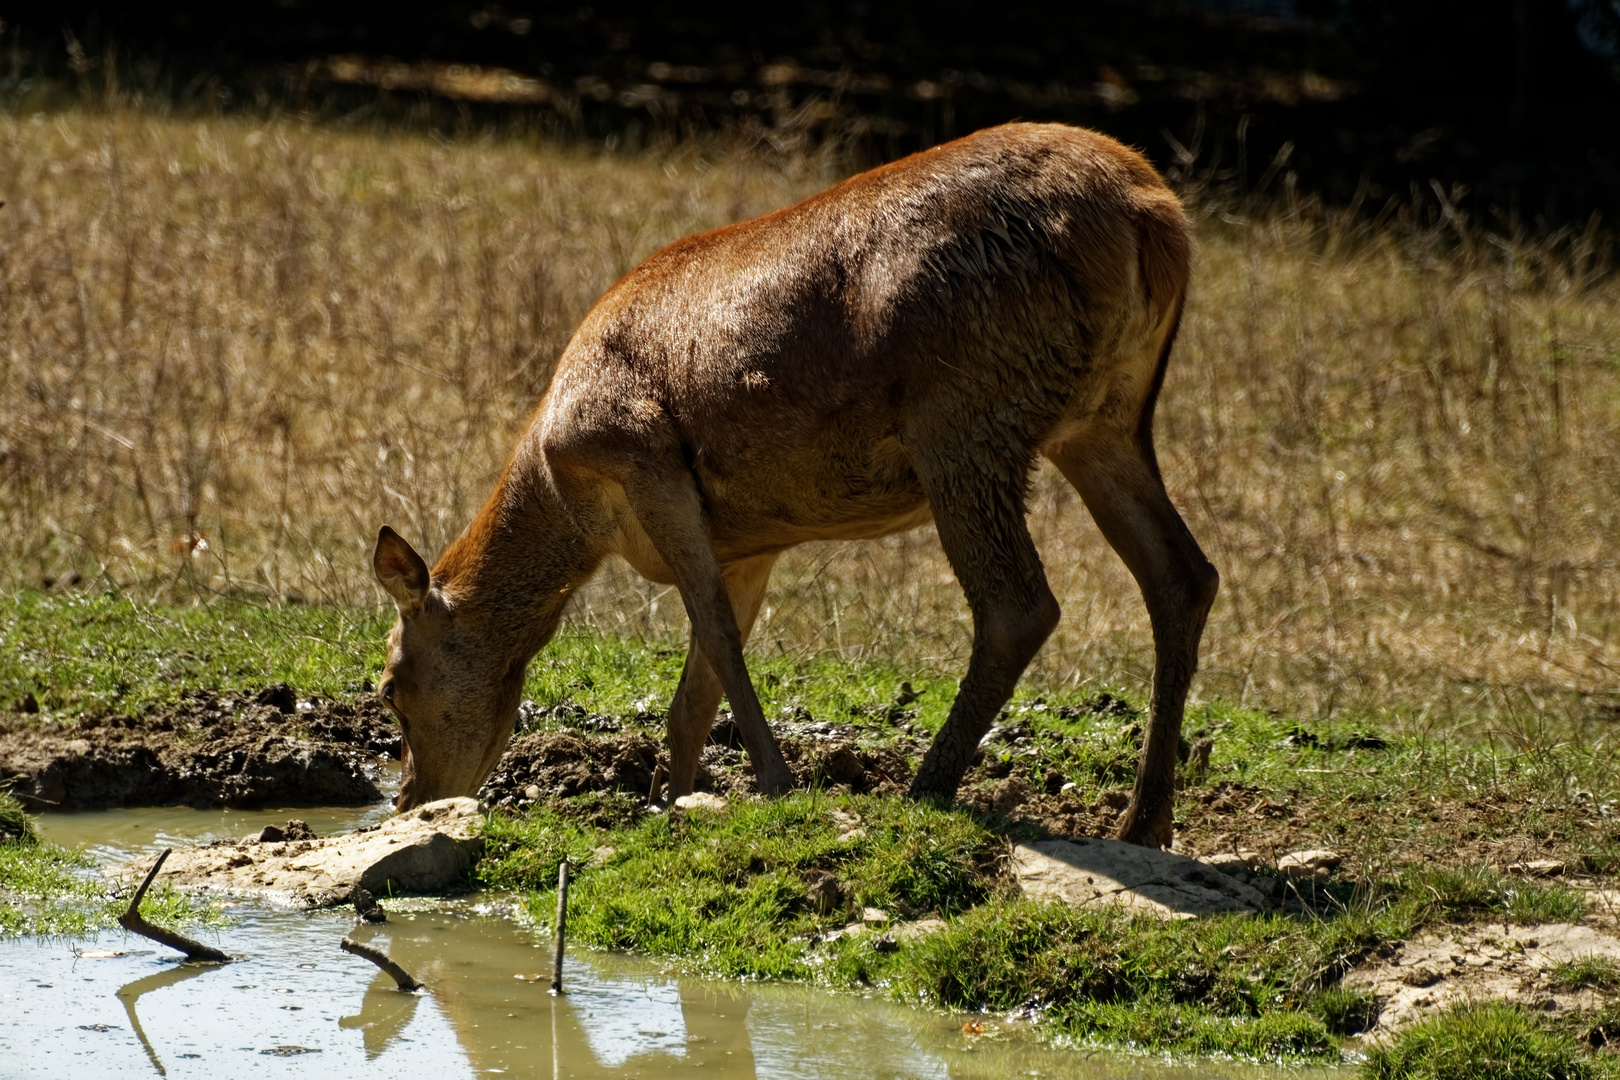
1471 893
1586 972
16 827
109 652
727 892
50 890
1488 1039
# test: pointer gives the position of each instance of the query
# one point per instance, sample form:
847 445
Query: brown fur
896 349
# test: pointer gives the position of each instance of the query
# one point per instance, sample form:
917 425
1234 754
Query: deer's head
454 691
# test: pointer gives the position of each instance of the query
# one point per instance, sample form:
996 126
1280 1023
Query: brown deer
896 349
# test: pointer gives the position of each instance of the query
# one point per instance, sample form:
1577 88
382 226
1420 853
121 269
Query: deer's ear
400 571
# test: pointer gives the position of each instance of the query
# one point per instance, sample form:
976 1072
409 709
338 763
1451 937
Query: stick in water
562 926
131 920
378 957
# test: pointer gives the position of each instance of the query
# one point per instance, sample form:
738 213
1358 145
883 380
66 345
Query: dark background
1509 108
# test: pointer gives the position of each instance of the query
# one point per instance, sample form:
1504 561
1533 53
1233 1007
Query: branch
131 920
378 957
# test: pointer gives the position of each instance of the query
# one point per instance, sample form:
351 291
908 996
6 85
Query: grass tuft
50 890
728 892
1586 972
1477 1040
1471 891
16 827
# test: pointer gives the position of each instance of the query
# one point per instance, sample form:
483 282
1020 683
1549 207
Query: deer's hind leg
978 507
1116 475
697 698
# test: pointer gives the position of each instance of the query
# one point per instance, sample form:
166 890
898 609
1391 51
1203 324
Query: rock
295 829
1227 861
1317 863
1095 873
825 893
874 915
1538 868
701 800
427 850
1420 976
366 906
916 931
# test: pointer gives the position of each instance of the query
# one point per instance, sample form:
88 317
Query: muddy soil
268 747
244 749
547 767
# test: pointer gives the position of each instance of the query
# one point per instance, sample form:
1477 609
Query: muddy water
116 835
295 1005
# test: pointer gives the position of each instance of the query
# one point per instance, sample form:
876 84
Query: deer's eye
388 691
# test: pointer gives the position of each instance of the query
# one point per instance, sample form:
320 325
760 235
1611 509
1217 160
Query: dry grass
1403 454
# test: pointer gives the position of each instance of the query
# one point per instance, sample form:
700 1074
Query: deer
896 350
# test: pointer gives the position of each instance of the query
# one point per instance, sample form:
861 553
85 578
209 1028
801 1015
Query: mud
548 767
245 749
269 747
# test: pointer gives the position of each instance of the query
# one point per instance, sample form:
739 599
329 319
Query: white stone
1234 860
701 800
425 850
1097 873
1318 862
1539 868
919 929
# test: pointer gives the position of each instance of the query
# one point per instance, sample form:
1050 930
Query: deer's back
982 283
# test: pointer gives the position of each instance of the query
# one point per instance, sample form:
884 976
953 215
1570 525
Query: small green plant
1586 972
16 827
1344 1011
1474 890
47 889
1481 1040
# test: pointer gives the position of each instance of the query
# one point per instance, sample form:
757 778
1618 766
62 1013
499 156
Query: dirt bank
245 749
549 766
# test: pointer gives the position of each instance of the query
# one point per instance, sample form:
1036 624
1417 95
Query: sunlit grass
1493 1039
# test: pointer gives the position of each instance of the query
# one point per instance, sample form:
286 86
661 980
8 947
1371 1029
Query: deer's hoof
1155 831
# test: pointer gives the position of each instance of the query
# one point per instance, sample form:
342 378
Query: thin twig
380 958
131 920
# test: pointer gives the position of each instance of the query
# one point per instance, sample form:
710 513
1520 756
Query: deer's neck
517 565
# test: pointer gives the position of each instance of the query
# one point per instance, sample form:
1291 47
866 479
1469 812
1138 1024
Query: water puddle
297 1005
112 836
